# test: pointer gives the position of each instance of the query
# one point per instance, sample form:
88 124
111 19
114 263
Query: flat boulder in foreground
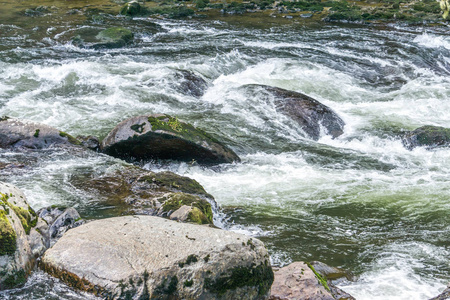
313 116
144 257
161 136
17 133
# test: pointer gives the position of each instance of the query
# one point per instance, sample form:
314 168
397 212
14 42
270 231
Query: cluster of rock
140 255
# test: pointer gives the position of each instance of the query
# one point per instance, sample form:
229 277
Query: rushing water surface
361 201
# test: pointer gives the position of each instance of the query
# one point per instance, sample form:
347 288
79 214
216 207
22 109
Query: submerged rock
191 83
161 136
93 38
16 133
143 257
313 116
114 37
428 136
22 237
301 281
136 191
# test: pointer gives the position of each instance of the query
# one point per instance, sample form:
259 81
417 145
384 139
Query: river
361 201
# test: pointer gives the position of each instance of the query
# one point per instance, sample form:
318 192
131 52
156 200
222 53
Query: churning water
361 202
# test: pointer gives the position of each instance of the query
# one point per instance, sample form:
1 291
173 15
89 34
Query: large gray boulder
427 136
143 257
161 136
22 237
16 133
310 114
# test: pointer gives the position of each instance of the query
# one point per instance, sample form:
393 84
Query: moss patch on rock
27 217
172 124
201 213
70 138
115 36
261 277
7 235
322 280
14 280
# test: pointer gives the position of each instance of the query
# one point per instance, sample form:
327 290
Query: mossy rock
200 213
427 136
20 242
161 136
7 235
114 37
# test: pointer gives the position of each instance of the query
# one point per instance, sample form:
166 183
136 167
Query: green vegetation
201 212
7 235
15 280
4 118
70 138
260 277
322 280
36 133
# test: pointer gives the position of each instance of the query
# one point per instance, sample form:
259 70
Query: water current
361 201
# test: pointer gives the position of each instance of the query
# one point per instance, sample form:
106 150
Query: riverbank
424 12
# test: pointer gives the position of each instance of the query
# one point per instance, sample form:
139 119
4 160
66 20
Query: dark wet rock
93 38
17 134
445 295
427 136
136 191
310 114
131 8
90 142
143 257
161 136
191 83
60 220
22 237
